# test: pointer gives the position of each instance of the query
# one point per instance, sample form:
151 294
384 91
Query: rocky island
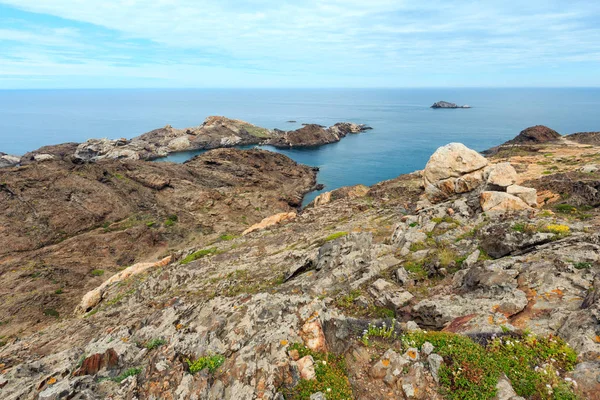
445 104
475 278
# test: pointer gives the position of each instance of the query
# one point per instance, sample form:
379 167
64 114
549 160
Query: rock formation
445 104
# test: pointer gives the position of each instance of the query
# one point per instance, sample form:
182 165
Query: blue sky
304 43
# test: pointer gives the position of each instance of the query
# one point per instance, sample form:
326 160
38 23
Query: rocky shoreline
474 278
215 132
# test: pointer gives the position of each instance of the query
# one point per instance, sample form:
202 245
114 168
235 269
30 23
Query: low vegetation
155 343
334 236
534 365
198 255
331 377
211 362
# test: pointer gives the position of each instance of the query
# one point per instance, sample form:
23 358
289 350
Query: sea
406 131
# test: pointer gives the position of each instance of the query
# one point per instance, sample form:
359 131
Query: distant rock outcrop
531 136
592 138
445 104
535 135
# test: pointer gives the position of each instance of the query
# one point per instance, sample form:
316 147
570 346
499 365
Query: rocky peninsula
215 132
475 278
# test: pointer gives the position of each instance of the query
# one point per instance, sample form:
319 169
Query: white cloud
324 37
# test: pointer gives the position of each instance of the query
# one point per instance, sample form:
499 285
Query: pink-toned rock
501 202
501 174
528 195
312 335
93 297
270 221
306 367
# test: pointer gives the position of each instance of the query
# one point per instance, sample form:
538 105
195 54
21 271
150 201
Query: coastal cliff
474 278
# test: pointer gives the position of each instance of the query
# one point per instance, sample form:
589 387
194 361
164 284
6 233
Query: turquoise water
406 131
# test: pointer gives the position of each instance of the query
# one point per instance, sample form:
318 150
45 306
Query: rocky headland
445 104
215 132
476 278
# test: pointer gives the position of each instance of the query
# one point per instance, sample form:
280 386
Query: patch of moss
334 236
97 272
330 377
227 237
198 255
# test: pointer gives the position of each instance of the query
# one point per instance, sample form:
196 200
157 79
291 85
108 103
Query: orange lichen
284 342
385 362
597 339
51 381
412 354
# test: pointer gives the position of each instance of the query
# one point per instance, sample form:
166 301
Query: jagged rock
589 169
472 259
504 389
499 240
312 335
97 362
318 396
402 277
389 295
528 195
6 160
501 174
435 361
500 202
427 348
347 192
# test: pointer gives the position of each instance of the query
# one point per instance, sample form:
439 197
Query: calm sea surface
405 130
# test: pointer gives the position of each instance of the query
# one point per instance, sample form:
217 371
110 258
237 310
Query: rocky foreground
215 132
476 278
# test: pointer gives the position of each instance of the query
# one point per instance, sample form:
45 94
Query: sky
298 44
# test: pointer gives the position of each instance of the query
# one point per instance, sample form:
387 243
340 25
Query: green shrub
171 219
582 265
97 272
212 362
58 291
154 343
127 374
330 377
